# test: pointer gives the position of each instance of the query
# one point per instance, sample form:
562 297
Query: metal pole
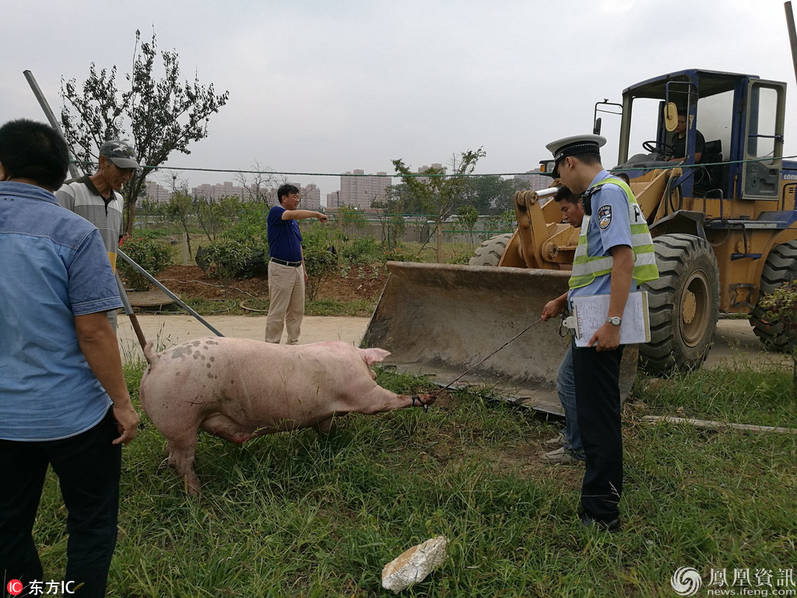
50 117
128 309
792 35
158 284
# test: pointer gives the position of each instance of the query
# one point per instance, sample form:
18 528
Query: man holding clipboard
614 255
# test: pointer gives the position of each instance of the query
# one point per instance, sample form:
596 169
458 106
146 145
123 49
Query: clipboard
590 313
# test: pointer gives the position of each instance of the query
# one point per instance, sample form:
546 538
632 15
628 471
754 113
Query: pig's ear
372 356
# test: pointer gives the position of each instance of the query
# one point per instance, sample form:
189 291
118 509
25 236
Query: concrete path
734 342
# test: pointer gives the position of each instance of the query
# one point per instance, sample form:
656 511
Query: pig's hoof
417 400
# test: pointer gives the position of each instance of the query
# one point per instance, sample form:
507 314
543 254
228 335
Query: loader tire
490 251
780 268
684 305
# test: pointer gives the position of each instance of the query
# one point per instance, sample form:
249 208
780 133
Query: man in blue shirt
614 253
286 273
63 398
570 450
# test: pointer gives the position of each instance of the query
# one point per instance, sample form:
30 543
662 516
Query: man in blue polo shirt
63 398
286 274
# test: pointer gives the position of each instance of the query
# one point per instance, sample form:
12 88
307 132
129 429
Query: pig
238 389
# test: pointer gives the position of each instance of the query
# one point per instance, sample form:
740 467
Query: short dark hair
624 176
590 159
565 194
286 189
35 151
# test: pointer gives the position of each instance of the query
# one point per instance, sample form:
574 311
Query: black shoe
608 526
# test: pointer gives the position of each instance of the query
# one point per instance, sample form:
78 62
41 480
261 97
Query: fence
418 228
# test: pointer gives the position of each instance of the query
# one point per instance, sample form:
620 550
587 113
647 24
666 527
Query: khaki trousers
285 302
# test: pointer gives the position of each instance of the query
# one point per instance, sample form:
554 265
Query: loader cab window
761 172
715 121
647 130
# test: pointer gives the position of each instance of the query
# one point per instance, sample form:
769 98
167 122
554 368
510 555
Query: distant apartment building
157 193
424 168
360 191
219 190
534 180
311 197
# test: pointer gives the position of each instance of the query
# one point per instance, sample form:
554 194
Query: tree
159 115
259 186
468 216
392 222
214 215
350 220
439 193
180 208
493 194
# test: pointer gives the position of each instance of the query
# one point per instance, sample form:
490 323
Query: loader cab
741 118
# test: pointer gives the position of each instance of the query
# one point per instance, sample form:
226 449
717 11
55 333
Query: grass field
297 515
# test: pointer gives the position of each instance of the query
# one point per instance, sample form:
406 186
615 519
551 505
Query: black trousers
598 406
88 467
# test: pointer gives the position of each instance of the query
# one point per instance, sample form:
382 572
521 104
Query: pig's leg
380 400
324 427
223 427
181 457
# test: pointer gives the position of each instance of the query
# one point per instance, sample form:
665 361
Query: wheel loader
724 228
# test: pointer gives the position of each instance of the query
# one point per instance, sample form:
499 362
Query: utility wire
428 175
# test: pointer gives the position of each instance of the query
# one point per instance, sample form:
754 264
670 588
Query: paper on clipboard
590 313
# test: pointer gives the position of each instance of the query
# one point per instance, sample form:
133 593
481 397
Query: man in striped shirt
97 198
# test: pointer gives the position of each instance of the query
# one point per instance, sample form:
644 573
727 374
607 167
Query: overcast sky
324 86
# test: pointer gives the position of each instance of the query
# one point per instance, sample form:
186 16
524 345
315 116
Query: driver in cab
678 144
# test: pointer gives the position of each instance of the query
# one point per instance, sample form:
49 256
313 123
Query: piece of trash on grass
413 565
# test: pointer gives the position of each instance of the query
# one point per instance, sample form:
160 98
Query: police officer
614 255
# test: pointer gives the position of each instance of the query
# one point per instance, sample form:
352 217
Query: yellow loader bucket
440 320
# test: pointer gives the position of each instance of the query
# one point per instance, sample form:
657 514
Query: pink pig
238 389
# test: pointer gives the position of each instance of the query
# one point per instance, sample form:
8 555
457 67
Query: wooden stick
712 425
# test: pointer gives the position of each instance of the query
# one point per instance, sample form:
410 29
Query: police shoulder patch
604 216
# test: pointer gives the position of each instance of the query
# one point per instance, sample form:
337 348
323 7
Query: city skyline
358 190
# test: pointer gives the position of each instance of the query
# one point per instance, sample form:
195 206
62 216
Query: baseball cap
120 153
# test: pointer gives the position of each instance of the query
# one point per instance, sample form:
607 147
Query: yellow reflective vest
586 268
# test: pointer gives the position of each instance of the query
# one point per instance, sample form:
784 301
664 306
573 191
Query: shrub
780 306
251 225
320 258
462 257
232 258
148 253
362 251
399 254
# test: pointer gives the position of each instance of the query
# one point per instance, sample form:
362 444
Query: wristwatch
614 320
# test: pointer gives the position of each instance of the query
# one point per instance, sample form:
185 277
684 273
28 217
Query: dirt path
734 342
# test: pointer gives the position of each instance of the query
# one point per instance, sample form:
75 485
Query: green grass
333 307
762 396
295 514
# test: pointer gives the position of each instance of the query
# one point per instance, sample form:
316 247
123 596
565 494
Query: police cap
575 145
